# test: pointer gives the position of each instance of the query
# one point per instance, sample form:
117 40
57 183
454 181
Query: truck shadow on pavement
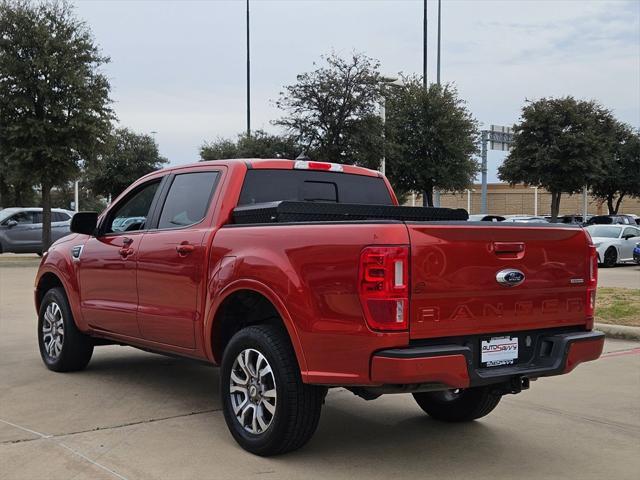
349 425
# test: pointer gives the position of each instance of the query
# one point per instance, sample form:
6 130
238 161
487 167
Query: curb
619 331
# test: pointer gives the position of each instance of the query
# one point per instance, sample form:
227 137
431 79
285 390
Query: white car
526 219
614 243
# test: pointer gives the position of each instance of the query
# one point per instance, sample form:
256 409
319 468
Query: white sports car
614 243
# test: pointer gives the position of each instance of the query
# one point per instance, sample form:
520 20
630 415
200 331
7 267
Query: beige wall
503 199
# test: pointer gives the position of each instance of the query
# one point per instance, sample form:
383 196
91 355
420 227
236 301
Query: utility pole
76 197
424 46
436 193
383 119
424 70
439 36
483 192
248 77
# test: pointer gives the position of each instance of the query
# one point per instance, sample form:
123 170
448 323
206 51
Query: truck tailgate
454 285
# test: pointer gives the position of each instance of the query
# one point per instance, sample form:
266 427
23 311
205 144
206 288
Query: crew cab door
630 237
172 259
107 263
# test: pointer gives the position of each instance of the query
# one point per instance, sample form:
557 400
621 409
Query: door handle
185 249
125 252
508 247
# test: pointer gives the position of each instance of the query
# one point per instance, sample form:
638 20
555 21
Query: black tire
297 405
76 348
462 405
610 257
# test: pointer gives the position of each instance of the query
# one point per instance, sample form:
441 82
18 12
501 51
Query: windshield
602 231
6 213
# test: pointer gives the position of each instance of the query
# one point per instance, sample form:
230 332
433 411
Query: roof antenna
303 157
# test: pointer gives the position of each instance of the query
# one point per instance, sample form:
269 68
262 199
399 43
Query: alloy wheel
253 391
53 330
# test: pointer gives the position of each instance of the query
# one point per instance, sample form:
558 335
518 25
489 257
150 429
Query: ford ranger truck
298 276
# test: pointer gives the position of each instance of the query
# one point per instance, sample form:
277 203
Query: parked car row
21 228
626 219
614 243
616 237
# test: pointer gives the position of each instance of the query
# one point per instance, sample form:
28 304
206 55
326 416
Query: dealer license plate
499 351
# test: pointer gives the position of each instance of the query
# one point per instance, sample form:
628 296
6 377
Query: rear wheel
610 257
267 408
459 405
63 347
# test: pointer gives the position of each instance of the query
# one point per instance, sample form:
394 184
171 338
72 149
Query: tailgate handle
508 247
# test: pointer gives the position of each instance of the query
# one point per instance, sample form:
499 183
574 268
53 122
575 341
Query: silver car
21 228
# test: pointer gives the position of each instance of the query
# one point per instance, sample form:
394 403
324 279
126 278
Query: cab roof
284 164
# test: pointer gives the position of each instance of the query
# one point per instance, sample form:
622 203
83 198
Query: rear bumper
454 366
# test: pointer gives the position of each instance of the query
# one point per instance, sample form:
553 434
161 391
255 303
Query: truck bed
294 211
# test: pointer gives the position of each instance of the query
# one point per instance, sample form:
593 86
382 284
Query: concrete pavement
624 276
135 415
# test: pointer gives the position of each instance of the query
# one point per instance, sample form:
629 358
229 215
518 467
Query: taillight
383 285
310 165
592 285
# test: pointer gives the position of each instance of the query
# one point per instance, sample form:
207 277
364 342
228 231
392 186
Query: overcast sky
178 68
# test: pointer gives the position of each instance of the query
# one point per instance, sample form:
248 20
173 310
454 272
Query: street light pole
248 77
439 35
436 193
483 171
76 197
424 46
383 118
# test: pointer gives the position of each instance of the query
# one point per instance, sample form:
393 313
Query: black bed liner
294 211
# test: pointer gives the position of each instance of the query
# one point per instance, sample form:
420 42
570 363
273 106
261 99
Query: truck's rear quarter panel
313 268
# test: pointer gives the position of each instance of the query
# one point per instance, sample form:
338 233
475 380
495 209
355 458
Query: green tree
127 156
431 139
331 111
620 175
259 144
54 102
560 144
13 191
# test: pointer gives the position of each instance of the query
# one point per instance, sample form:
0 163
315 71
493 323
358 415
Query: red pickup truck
296 276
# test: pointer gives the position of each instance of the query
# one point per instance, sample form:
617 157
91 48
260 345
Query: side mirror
84 222
11 223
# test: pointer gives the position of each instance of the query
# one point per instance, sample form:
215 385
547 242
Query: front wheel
63 347
459 405
267 408
610 257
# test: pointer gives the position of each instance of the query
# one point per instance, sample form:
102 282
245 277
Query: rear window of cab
263 185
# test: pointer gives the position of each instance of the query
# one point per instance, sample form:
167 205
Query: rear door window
23 218
188 199
59 217
262 185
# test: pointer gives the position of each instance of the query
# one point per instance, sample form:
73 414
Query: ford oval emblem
510 277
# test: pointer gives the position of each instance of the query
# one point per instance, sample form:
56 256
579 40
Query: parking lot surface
135 415
625 276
